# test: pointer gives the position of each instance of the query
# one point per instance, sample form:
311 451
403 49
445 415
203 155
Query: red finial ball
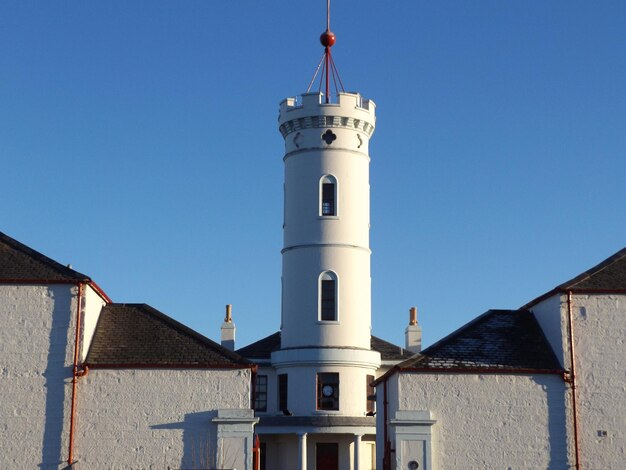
328 38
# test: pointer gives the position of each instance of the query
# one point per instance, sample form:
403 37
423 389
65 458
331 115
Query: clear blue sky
139 142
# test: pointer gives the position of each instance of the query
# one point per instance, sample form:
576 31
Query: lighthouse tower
313 391
326 299
326 296
325 360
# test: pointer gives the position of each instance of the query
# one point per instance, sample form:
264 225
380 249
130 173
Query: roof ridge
177 327
615 282
41 258
598 268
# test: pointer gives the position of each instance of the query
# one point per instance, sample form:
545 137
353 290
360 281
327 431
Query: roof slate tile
498 339
263 348
139 335
18 262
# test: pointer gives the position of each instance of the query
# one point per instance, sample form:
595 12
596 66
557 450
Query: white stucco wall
599 325
314 244
551 316
36 358
302 389
92 304
155 418
599 344
485 421
282 451
392 393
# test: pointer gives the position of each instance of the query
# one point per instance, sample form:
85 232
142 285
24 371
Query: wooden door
327 456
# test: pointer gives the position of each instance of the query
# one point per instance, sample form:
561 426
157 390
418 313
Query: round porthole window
413 465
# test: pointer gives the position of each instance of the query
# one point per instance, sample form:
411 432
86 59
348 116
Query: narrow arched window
328 296
328 196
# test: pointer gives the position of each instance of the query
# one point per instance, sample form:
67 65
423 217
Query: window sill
328 322
327 217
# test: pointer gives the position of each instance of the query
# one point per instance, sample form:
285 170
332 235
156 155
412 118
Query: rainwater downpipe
75 373
572 377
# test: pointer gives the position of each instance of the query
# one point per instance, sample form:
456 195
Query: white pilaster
357 451
302 451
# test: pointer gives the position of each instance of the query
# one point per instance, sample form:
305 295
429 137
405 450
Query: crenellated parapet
351 111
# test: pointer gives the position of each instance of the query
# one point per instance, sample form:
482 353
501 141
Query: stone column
357 451
302 451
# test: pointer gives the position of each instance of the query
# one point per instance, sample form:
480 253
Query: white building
92 383
95 384
539 387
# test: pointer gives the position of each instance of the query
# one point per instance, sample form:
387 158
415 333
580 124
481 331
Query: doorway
327 456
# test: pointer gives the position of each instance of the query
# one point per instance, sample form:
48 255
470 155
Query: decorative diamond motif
329 137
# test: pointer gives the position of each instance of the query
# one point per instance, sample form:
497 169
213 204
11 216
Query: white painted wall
282 451
599 324
599 344
392 407
303 389
92 304
155 418
314 244
36 358
486 421
301 326
551 314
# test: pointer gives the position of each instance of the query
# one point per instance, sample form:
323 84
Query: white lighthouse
313 389
326 301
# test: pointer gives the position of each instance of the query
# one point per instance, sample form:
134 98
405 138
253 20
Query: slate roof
389 351
137 335
607 277
263 348
610 274
497 340
19 263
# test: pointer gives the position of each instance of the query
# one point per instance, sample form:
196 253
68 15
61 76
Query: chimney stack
413 333
228 330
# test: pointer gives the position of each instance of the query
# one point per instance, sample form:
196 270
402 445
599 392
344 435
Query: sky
139 143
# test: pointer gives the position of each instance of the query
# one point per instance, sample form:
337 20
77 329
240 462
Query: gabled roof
19 263
607 277
263 348
137 335
498 341
389 351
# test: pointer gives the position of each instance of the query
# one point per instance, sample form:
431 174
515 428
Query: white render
124 418
480 421
37 341
519 420
599 328
36 359
164 418
314 244
92 304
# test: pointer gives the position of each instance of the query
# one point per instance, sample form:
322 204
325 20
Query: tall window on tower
328 193
328 296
